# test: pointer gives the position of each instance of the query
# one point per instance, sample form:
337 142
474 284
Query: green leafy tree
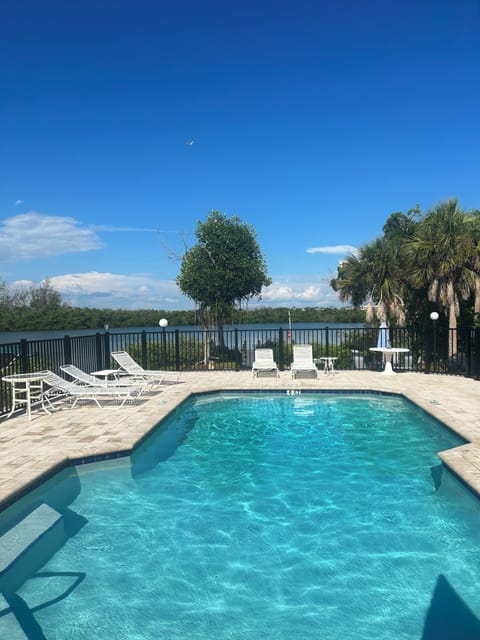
224 268
441 255
43 297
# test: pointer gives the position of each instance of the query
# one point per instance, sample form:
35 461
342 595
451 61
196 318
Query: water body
7 337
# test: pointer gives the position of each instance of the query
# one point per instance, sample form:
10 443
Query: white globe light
163 323
434 315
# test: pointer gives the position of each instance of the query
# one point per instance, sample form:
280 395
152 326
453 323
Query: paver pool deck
32 450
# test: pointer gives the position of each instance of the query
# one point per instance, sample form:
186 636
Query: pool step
29 545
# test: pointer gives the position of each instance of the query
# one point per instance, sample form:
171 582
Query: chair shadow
25 615
449 617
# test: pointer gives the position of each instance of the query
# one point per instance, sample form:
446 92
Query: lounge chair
82 377
264 362
303 360
128 364
59 387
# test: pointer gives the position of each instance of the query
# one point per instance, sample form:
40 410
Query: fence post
99 352
143 338
23 356
237 352
67 350
476 354
281 350
468 350
427 339
177 350
106 349
327 342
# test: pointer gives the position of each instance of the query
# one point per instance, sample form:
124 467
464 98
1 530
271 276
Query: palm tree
474 220
377 274
350 282
383 260
440 256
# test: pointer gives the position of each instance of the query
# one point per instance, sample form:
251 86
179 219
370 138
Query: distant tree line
41 308
264 315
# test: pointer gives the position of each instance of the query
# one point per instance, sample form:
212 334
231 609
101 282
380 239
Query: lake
7 337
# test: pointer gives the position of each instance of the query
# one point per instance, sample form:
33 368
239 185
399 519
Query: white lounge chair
60 387
82 377
128 364
303 360
264 362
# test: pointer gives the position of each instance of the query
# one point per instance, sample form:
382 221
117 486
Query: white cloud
308 291
118 291
34 235
143 291
111 229
18 202
23 284
339 248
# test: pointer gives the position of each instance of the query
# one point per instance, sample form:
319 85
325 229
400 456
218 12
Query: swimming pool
264 516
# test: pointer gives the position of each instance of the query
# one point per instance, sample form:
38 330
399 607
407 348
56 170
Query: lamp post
289 335
163 322
106 346
434 318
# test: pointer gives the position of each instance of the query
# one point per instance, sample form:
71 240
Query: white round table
388 355
329 364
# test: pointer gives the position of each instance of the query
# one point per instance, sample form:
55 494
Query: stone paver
30 450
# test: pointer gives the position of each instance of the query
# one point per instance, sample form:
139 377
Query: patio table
388 355
27 390
328 364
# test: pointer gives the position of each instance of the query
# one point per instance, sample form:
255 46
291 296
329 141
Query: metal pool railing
430 351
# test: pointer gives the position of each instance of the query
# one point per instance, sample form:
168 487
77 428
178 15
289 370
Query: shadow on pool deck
449 618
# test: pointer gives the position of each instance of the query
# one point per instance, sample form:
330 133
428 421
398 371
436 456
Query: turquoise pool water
262 516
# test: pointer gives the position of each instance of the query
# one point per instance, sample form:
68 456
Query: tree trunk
221 335
476 308
452 333
206 342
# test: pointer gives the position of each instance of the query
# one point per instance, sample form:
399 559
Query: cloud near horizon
34 235
118 291
335 249
144 291
303 290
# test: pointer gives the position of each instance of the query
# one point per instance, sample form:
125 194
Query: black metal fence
431 350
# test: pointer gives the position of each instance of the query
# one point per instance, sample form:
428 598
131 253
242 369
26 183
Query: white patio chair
128 364
264 362
63 388
303 360
82 377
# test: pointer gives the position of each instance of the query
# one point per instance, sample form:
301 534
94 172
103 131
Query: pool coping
31 452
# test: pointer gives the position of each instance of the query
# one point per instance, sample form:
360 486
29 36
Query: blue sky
312 121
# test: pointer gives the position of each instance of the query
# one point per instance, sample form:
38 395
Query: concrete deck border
31 451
